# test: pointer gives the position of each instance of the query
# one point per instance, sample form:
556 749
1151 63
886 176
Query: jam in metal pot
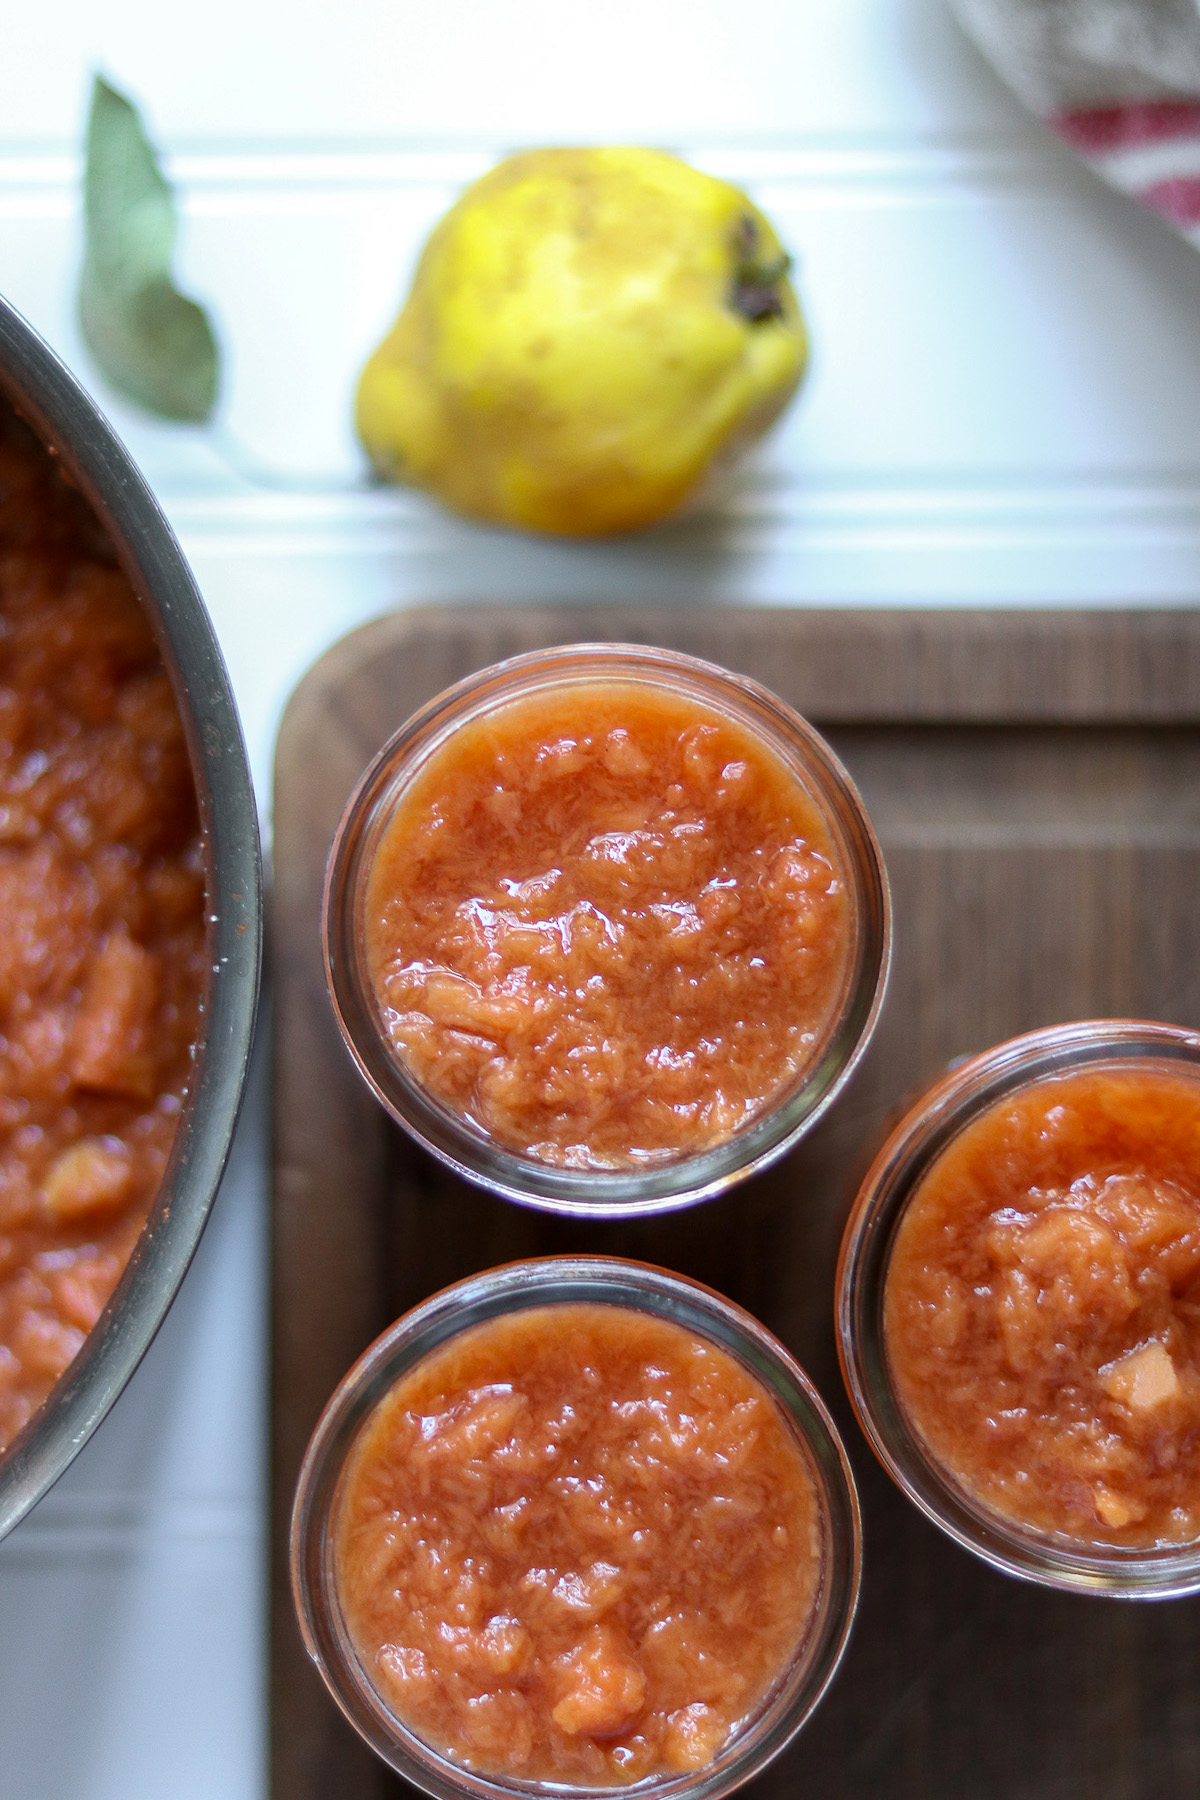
102 937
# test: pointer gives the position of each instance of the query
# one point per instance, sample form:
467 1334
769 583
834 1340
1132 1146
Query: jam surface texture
102 944
608 925
577 1544
1042 1307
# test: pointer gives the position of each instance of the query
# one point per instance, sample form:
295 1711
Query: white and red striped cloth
1118 80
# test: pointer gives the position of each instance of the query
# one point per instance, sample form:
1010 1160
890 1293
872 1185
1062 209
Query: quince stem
755 292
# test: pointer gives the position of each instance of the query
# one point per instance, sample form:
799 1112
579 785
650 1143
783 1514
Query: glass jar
553 1281
654 1184
968 1091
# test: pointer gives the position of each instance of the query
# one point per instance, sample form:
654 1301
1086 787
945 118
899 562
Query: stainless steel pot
67 421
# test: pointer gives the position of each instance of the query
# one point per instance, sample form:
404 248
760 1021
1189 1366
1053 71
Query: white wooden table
1004 407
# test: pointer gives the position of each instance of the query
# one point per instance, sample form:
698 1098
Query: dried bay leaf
154 345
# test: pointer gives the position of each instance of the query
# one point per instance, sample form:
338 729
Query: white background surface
1003 407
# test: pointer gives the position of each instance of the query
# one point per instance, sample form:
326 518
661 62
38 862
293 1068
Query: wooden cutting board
1035 783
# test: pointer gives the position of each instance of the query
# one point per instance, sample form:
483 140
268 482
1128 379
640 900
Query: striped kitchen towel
1118 80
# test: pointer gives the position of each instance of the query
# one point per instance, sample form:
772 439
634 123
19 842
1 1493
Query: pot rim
73 429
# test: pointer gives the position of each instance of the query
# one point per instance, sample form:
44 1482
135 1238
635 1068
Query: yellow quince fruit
587 333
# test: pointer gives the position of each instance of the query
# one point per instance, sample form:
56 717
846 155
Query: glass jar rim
453 1138
550 1281
969 1088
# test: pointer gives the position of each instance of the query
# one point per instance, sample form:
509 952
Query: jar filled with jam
1019 1306
606 928
576 1522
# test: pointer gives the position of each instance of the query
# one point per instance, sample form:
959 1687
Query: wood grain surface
1035 783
